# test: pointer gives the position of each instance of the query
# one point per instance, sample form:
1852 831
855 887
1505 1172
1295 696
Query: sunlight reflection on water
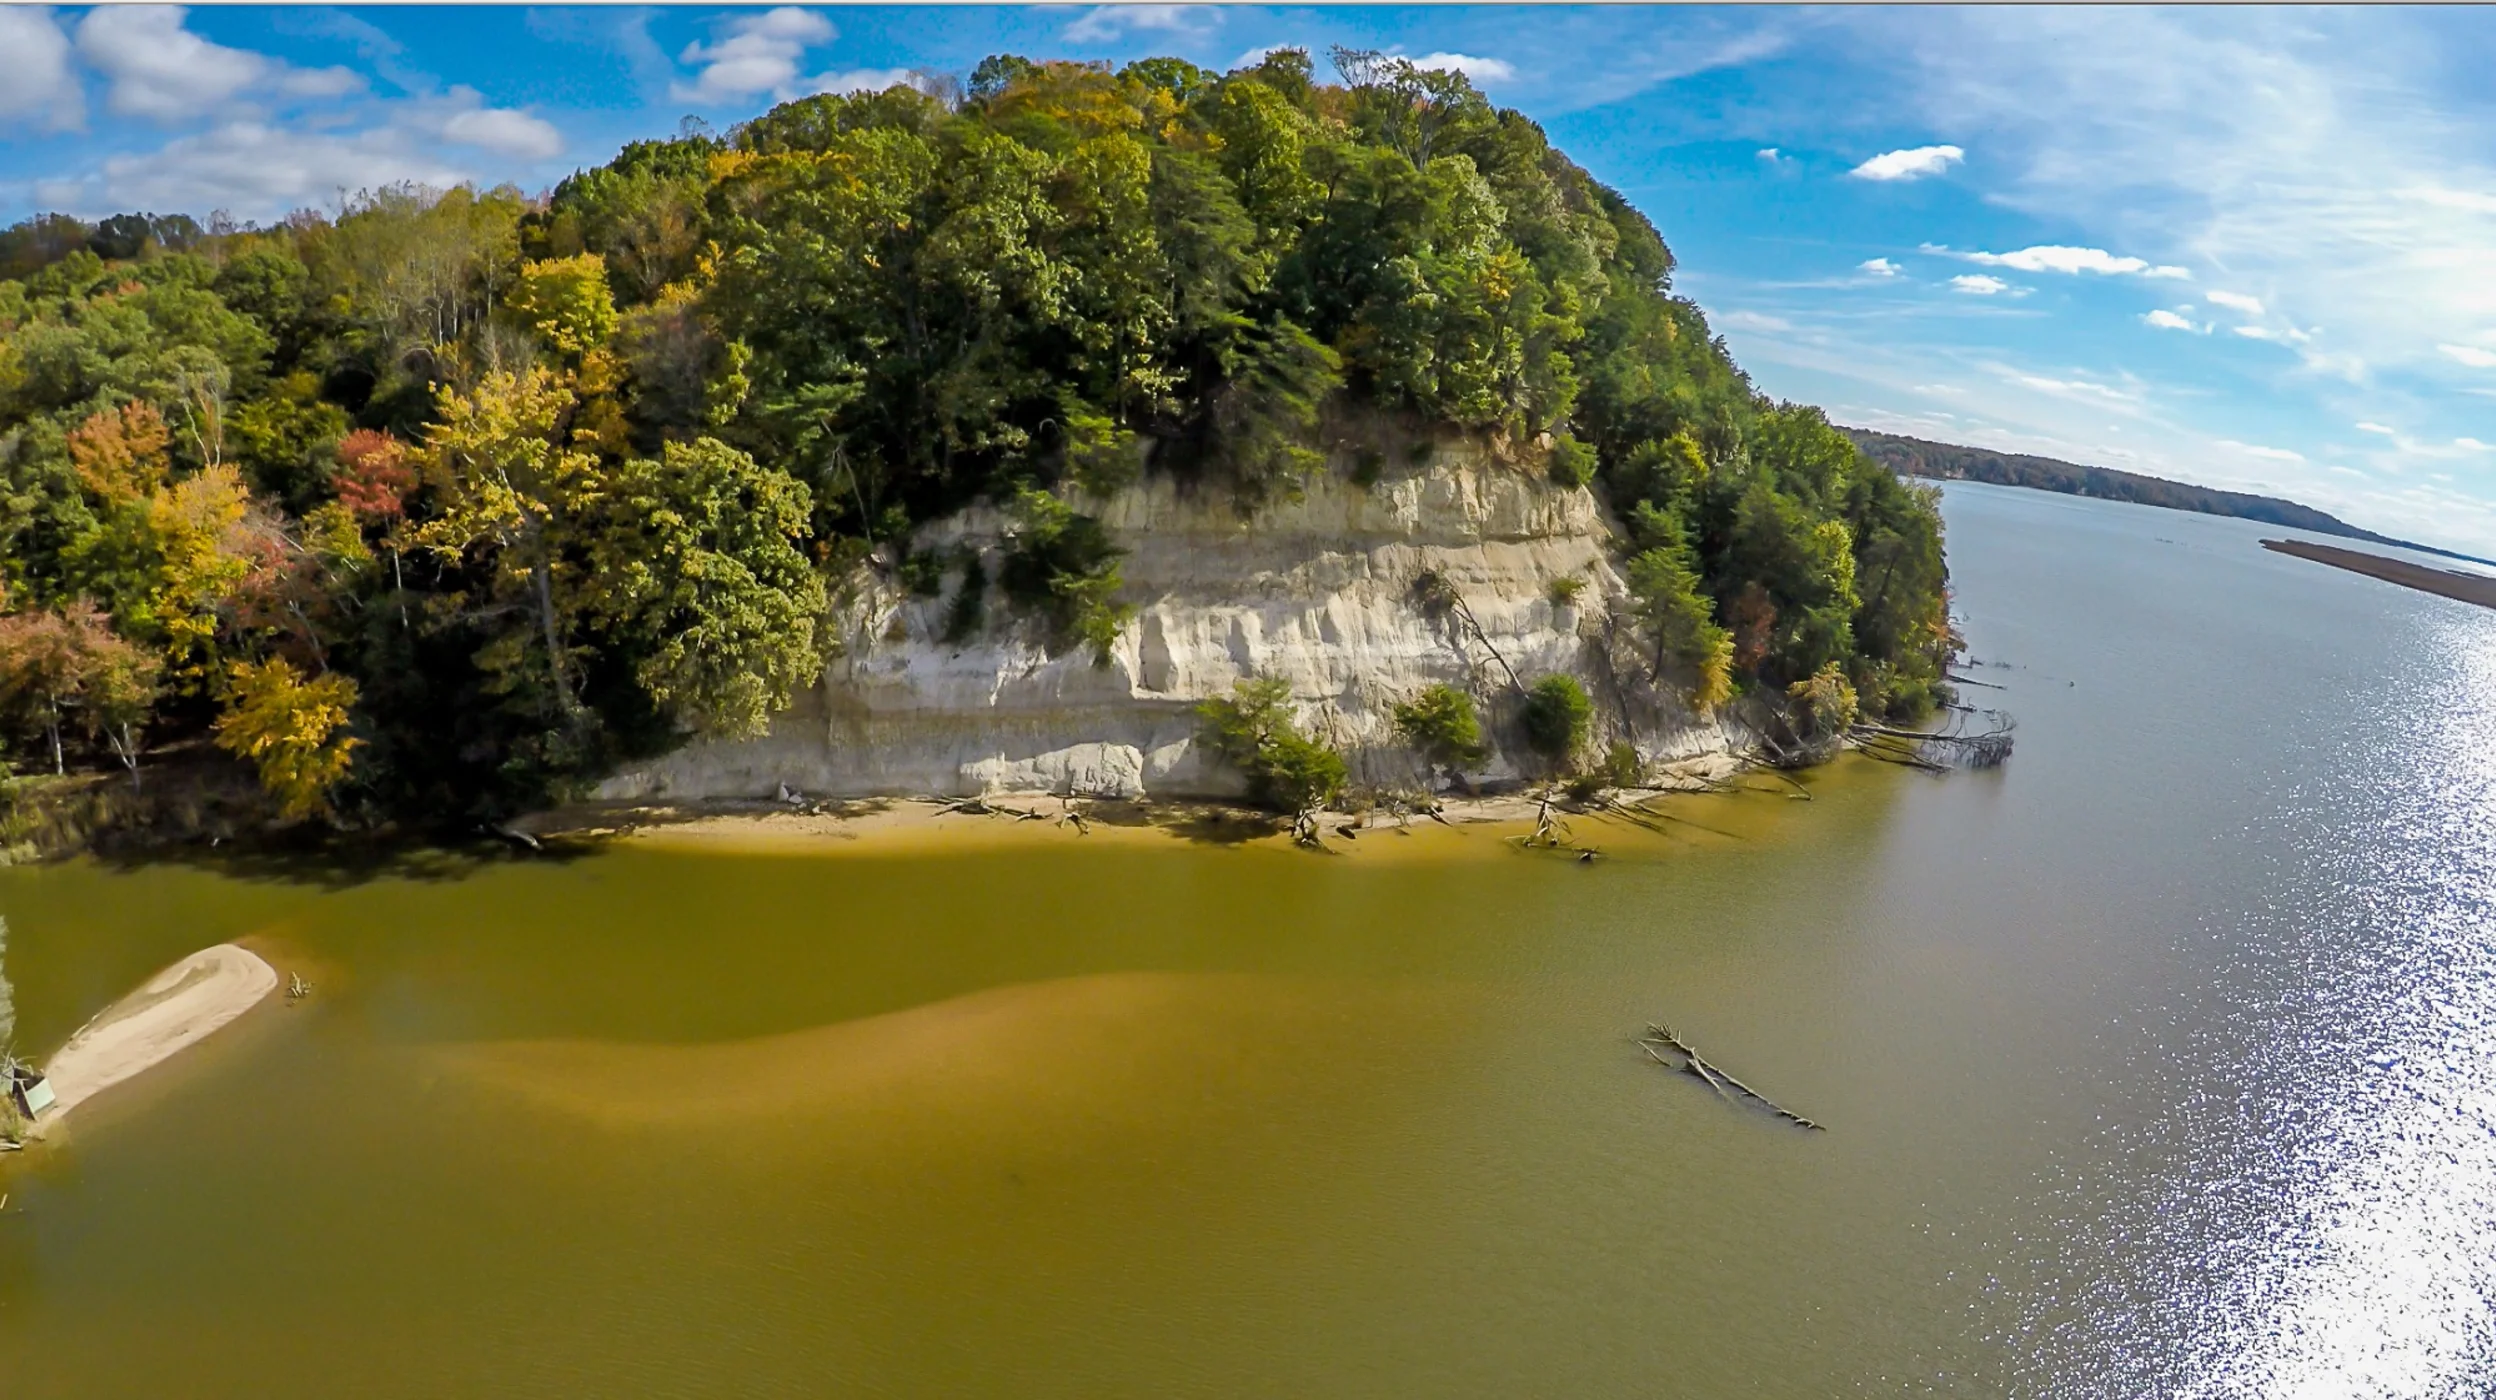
2371 1260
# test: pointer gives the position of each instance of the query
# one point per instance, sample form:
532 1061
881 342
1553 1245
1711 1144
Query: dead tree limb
1695 1063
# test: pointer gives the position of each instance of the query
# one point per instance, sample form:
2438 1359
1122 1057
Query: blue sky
2246 247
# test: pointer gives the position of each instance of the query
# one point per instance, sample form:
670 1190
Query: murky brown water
2159 1063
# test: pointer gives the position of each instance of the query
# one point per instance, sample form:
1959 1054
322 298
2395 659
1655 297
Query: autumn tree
290 729
509 488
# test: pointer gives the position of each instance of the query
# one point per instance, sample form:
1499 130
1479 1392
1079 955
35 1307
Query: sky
2250 248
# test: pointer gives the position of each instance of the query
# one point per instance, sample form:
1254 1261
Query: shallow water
2161 1062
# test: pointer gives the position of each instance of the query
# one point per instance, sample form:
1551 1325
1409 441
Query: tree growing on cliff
1558 719
1287 771
1442 727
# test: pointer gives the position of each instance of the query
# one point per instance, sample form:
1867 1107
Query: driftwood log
1660 1039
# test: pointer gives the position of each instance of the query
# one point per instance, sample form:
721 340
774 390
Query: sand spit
174 1010
2449 583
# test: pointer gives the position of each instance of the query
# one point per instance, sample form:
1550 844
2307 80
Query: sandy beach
1460 827
174 1010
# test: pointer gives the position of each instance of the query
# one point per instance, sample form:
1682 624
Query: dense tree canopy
548 483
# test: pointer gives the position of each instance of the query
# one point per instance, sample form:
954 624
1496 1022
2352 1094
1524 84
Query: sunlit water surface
2161 1063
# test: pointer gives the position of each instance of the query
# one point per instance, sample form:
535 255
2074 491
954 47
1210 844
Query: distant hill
1948 462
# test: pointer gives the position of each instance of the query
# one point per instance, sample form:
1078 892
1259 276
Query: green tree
1558 718
1442 727
694 570
1252 730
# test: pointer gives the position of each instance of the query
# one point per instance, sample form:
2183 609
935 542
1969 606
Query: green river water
2162 1062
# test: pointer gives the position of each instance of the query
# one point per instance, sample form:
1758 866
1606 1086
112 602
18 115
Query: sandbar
174 1010
2448 583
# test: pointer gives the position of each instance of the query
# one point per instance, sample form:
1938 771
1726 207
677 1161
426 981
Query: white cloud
1481 70
752 55
1110 22
2378 428
37 84
1770 154
2267 454
466 120
1977 284
1909 164
155 68
2471 444
2166 320
2237 301
2340 153
255 169
862 80
2077 388
2471 355
2055 257
1754 321
1878 267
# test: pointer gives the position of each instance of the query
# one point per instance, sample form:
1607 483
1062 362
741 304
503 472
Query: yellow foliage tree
198 526
120 454
566 301
288 727
508 484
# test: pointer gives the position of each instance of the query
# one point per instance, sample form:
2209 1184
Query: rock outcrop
1320 591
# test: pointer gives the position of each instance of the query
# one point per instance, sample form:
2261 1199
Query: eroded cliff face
1319 591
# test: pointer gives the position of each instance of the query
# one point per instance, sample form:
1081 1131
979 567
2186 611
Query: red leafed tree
374 476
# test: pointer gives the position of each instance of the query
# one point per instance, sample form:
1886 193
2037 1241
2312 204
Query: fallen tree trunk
1694 1063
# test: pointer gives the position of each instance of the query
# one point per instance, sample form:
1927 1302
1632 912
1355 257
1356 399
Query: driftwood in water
1697 1065
1939 750
981 807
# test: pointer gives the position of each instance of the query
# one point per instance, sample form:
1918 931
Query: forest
440 505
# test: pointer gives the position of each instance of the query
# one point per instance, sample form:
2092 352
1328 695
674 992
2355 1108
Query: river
2162 1061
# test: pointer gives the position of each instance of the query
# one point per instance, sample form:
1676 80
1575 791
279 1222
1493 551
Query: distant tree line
1943 461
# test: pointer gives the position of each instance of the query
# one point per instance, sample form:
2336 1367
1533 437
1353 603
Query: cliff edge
1322 591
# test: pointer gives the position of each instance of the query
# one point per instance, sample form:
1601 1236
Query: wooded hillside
448 502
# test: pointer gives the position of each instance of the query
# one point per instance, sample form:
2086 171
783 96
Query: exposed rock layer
1319 591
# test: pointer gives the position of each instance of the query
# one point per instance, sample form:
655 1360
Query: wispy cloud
2267 454
1978 284
1754 321
2471 355
2055 257
1913 164
2166 320
2313 151
1109 23
2236 301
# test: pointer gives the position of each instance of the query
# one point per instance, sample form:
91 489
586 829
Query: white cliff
1319 591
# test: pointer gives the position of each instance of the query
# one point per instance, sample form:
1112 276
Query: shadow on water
334 860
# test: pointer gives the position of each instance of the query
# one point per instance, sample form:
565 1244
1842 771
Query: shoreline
1459 827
